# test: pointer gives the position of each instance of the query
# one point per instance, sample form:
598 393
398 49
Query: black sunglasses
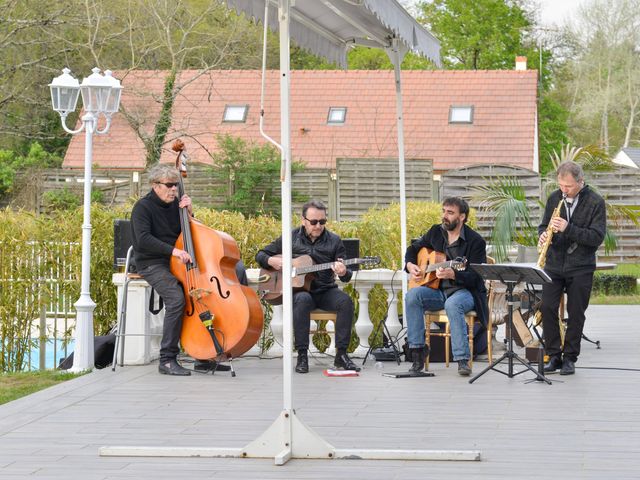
314 222
168 184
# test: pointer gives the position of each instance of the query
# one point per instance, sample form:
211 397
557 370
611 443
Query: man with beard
459 291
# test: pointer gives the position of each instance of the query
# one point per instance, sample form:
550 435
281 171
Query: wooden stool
321 318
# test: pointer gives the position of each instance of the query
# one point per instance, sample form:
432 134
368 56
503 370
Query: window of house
461 114
337 115
235 113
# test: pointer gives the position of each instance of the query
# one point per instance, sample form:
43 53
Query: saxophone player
574 235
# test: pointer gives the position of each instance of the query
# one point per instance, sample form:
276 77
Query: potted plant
505 198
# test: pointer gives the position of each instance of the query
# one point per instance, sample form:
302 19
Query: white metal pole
396 54
83 356
285 141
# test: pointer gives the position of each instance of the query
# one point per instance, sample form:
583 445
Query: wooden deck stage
581 426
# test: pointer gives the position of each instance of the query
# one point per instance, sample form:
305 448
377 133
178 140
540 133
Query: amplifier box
121 242
534 352
436 350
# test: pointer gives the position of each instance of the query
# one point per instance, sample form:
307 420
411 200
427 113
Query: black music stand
510 275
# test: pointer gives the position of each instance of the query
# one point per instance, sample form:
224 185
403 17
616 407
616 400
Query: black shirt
452 251
155 228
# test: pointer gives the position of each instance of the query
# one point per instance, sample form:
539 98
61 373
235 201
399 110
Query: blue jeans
421 299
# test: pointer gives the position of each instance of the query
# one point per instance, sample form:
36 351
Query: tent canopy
328 27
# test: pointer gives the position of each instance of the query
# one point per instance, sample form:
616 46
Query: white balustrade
363 281
140 350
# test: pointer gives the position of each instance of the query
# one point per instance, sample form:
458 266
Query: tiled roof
503 129
633 154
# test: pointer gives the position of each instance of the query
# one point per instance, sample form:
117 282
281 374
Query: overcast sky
558 11
552 11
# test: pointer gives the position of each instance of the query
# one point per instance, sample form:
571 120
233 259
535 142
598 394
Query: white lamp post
100 95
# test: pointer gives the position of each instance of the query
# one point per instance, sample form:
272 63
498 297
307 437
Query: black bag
103 352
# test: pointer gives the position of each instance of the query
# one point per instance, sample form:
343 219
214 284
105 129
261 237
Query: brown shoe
463 368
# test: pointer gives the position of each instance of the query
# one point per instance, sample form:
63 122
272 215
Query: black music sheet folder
512 272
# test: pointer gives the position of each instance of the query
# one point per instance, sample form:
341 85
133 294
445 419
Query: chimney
521 64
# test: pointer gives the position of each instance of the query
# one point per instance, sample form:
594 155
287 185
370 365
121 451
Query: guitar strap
152 301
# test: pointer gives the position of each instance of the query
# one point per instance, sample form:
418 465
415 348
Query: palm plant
505 197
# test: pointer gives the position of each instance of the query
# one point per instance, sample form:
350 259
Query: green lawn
615 300
632 269
624 269
16 385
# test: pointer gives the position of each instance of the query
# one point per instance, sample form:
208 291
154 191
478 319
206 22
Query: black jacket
573 252
474 250
328 247
155 228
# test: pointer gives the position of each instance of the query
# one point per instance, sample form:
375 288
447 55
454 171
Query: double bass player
155 221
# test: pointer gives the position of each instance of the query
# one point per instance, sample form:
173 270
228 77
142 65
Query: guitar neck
324 266
435 266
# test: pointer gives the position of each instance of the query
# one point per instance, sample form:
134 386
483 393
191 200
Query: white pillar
83 356
276 328
364 327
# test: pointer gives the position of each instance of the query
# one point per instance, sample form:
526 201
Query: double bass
222 318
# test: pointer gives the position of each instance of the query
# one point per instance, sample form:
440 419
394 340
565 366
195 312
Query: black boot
302 366
343 362
171 366
418 355
210 366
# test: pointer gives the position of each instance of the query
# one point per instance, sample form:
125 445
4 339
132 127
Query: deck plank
583 426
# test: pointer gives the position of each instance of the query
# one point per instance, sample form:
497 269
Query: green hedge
25 236
608 284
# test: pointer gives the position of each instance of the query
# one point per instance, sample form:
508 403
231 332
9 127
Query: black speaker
437 350
352 246
121 242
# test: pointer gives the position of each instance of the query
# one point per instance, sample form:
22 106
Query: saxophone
542 259
542 249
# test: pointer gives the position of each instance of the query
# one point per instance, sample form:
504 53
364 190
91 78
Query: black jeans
168 287
333 299
578 289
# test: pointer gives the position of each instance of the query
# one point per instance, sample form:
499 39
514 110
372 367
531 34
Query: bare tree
603 75
28 50
38 38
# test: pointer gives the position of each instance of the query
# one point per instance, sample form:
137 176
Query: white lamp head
95 91
64 93
114 98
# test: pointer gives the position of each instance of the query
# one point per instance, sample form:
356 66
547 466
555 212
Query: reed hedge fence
38 276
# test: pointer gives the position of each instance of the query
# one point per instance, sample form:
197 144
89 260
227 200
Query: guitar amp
352 246
121 242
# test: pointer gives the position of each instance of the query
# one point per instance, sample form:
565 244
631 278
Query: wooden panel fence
621 187
462 183
354 187
364 183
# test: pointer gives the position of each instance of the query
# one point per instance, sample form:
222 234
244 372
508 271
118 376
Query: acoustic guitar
429 261
302 270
